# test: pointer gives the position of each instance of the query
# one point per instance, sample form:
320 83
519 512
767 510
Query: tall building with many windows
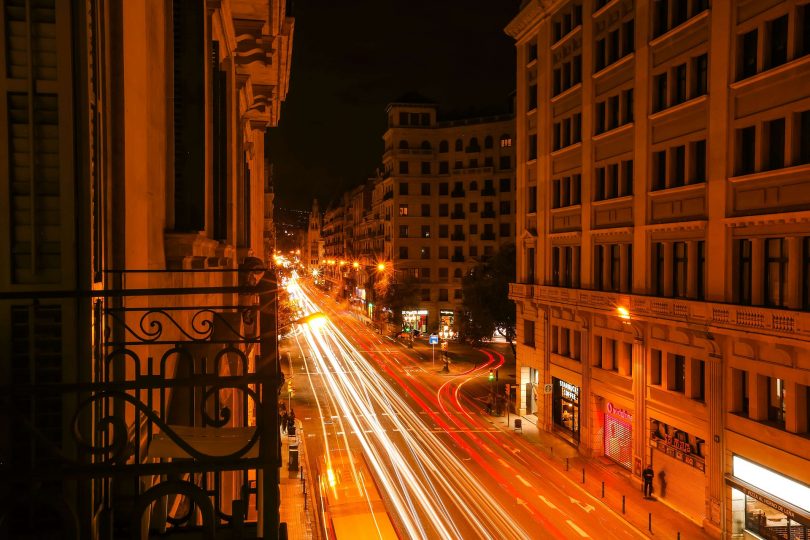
663 230
448 200
133 192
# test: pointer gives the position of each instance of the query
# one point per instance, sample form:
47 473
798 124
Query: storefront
446 324
618 438
565 409
679 463
415 319
766 504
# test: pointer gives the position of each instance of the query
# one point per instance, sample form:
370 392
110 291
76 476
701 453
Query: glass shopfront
446 327
618 435
565 408
767 504
416 319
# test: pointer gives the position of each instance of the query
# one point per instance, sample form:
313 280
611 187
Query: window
403 188
443 231
473 186
803 122
700 68
658 268
660 92
806 273
425 210
679 92
746 150
506 141
628 106
505 208
425 295
739 394
505 230
776 40
424 253
678 166
505 185
701 270
459 145
444 167
775 141
678 373
532 97
424 274
563 274
426 167
403 119
473 228
457 294
443 271
488 142
599 118
443 252
531 52
444 188
403 231
528 333
659 161
530 262
444 147
680 264
444 210
442 295
425 189
775 272
532 200
744 264
403 209
403 167
403 252
669 14
403 144
425 231
504 163
532 150
748 54
777 405
698 151
473 251
473 207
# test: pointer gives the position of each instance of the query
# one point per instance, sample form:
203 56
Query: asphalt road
440 464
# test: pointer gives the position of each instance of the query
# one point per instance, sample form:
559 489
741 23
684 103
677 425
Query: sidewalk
297 508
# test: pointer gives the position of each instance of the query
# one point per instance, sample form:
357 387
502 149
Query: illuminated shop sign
677 444
568 391
771 482
414 312
619 413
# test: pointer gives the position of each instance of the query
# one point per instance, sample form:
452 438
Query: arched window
444 147
473 186
425 145
457 273
506 140
459 145
403 144
474 144
488 142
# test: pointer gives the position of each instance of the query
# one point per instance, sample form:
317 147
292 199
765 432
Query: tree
486 298
398 296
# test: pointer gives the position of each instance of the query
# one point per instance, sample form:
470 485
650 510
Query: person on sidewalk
648 474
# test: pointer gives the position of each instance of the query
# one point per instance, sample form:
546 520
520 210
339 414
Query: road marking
574 526
548 503
523 481
587 507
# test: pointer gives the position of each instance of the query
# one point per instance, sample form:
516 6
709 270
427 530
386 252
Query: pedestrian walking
284 419
648 474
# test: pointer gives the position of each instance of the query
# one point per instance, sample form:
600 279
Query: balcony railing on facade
707 315
167 408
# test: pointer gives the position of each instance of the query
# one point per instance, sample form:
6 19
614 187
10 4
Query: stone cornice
528 17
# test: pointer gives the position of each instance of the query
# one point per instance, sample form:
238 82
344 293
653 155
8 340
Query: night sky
353 57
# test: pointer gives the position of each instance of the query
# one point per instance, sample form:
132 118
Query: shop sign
675 443
414 312
568 391
619 413
782 507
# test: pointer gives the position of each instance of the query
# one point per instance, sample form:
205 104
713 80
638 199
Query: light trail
431 491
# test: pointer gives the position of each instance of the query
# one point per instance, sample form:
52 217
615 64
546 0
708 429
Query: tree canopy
486 297
398 296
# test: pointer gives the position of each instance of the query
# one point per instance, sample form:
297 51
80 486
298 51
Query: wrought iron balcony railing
162 406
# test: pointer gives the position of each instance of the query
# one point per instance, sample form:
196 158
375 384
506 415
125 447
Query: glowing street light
381 266
623 313
355 265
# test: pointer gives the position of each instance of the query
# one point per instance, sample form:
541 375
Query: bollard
679 535
649 522
583 475
623 504
566 464
603 489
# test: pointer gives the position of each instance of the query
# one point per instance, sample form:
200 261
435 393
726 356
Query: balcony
178 406
388 195
457 236
457 258
457 215
490 214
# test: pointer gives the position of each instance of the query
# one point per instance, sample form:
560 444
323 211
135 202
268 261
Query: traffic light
491 375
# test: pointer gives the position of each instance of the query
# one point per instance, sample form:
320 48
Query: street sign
433 339
547 388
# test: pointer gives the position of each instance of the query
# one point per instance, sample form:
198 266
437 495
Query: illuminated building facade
663 242
134 189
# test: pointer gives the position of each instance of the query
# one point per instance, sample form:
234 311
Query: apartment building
663 231
133 192
314 248
448 200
